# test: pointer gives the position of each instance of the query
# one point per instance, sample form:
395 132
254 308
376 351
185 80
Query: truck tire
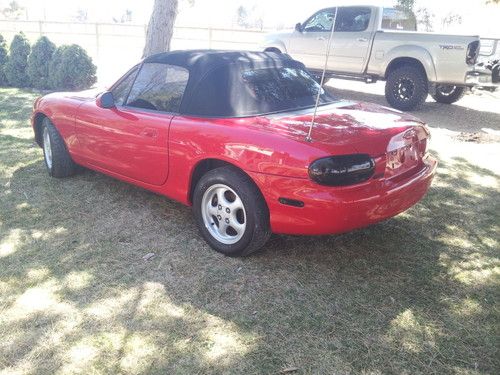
406 88
448 94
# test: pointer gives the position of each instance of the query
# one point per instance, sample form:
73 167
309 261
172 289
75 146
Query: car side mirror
298 27
106 100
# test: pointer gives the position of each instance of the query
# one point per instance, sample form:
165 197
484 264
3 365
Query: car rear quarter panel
241 142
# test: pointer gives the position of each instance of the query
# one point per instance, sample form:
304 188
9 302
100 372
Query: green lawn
416 294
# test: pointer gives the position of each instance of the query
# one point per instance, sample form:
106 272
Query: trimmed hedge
39 61
71 68
15 69
68 67
4 55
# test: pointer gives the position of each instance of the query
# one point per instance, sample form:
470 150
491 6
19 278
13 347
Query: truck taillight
472 53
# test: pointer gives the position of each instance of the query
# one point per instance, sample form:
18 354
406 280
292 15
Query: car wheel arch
205 165
38 121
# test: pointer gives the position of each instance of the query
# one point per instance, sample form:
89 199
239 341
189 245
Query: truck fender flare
275 45
411 52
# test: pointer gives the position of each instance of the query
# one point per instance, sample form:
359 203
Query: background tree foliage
71 68
38 63
15 69
3 60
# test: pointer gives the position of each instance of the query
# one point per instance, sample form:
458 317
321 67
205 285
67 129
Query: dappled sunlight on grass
412 334
9 242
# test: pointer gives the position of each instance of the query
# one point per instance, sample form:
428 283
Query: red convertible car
226 132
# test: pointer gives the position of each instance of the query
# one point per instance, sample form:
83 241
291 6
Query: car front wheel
231 212
56 156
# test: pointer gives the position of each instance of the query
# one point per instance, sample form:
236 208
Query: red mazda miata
226 132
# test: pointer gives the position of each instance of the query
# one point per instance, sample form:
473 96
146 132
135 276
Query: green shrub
15 69
39 61
71 69
3 60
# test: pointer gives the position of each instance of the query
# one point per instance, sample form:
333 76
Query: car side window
353 19
159 87
322 21
122 88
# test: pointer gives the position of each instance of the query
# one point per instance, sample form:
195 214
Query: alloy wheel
223 214
47 148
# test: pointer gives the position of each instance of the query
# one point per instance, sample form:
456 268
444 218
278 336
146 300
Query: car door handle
320 38
149 132
362 40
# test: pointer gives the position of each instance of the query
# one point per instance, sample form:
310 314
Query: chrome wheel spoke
212 209
237 204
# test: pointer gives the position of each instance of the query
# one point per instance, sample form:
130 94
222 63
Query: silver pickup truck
373 43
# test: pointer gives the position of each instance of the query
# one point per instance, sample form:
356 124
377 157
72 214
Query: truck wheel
406 88
230 212
448 94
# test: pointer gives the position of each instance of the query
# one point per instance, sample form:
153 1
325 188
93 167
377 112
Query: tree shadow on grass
414 294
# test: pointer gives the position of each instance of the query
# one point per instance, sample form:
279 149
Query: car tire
230 212
448 94
406 88
57 159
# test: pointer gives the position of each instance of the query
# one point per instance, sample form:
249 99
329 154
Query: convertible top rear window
248 92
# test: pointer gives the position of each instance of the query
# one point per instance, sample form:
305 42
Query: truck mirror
298 27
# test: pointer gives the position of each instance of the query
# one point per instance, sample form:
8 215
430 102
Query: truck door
351 40
308 43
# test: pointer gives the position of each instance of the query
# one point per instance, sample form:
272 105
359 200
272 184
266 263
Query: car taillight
342 170
472 53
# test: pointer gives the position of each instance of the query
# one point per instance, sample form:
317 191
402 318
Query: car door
308 43
351 40
131 139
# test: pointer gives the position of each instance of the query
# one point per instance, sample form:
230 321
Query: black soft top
215 87
201 62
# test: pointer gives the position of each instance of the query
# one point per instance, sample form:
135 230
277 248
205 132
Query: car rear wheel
406 88
448 94
56 156
231 212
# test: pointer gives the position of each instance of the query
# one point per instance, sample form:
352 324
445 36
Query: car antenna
329 46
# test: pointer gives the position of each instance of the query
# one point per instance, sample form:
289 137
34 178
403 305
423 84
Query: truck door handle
362 40
320 38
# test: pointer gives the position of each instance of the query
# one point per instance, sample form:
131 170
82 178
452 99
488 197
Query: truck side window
353 19
398 19
320 22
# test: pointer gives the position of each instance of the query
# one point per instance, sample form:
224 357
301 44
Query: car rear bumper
329 210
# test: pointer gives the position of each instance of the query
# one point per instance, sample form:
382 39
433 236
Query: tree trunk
160 27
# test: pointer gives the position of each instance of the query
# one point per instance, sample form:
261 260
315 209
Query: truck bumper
481 77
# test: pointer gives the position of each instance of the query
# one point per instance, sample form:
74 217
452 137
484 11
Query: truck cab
371 43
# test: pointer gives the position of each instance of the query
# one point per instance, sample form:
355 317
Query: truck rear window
397 19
